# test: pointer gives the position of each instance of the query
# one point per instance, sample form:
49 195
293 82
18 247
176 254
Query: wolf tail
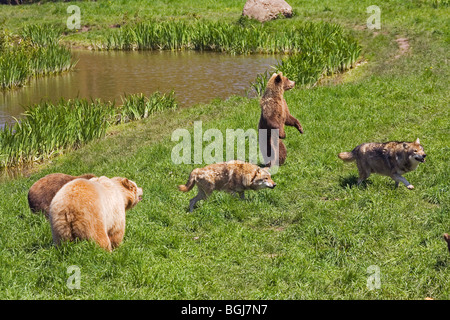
190 183
346 156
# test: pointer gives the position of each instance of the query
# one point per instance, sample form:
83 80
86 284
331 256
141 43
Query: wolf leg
363 173
201 195
398 178
239 193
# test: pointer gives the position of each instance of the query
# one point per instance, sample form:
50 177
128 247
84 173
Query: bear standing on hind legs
274 115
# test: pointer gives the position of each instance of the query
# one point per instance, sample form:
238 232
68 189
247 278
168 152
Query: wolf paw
410 187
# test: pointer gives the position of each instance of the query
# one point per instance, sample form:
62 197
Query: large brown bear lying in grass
42 191
93 210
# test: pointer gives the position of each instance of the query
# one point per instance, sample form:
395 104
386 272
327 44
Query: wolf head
262 180
415 151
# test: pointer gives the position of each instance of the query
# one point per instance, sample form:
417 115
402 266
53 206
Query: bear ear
127 183
278 79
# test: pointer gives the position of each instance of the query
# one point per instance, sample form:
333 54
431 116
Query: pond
196 77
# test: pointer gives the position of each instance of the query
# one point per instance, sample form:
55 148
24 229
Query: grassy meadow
316 235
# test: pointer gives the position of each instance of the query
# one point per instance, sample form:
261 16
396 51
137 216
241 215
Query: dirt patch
376 33
360 27
85 28
403 47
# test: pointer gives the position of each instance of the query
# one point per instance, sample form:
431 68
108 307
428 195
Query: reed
42 34
217 36
326 51
14 69
35 52
313 49
48 129
138 106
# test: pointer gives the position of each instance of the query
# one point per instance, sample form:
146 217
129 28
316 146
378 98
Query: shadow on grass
352 181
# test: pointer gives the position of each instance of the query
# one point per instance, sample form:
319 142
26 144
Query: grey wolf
391 159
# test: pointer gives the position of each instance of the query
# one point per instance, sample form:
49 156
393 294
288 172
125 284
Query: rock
265 10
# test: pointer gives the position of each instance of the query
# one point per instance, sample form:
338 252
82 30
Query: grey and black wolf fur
391 159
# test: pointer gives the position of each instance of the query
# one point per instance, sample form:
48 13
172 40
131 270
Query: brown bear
447 239
42 191
274 115
93 210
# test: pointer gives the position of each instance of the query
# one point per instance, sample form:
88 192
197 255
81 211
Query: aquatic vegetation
233 38
42 34
313 49
138 106
34 52
48 128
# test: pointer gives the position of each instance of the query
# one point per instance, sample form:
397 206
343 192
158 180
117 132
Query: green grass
313 236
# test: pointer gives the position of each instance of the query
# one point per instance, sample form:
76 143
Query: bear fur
93 210
42 191
274 115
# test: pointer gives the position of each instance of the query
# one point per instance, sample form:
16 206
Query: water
196 77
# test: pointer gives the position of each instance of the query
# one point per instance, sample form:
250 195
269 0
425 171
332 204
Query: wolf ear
256 174
417 141
248 179
405 145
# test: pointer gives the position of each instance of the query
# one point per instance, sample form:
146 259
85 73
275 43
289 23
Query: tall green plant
35 52
48 128
314 49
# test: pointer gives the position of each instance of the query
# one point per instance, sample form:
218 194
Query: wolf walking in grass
233 176
391 159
